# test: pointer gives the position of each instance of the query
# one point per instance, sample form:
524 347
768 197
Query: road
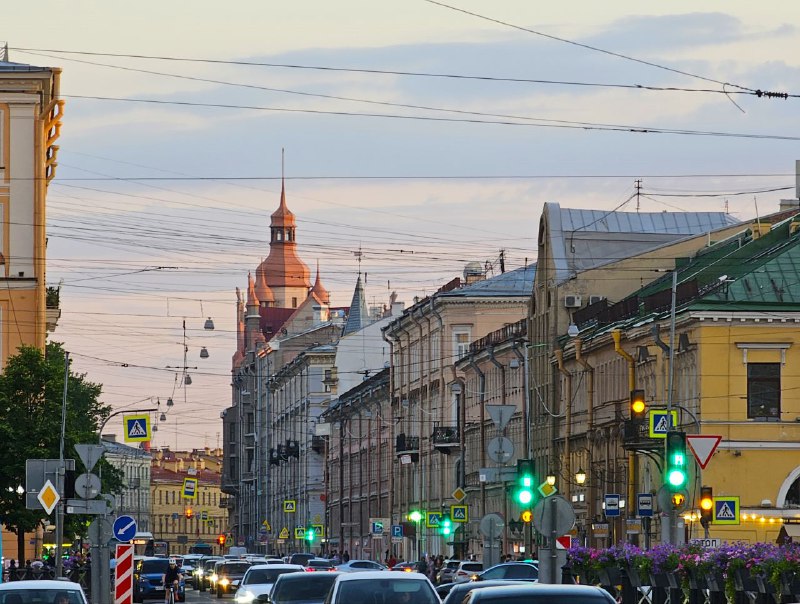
193 596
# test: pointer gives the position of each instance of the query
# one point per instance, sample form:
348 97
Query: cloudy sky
419 133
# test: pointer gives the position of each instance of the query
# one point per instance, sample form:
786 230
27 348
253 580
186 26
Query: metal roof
8 66
518 282
671 223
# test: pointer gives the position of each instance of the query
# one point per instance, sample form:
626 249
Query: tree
31 396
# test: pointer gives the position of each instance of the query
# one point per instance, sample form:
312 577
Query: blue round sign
124 528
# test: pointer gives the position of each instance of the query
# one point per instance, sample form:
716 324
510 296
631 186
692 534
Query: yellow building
30 123
179 521
736 344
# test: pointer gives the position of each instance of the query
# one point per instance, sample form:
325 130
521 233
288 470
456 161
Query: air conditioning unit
572 301
595 299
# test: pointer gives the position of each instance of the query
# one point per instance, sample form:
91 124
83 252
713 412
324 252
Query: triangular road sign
703 447
89 454
501 414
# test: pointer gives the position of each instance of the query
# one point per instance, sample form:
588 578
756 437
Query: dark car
229 575
516 571
405 567
456 592
148 574
299 588
319 564
204 571
301 559
539 594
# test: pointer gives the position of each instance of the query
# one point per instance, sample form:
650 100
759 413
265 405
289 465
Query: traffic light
706 505
221 540
310 534
415 516
676 462
525 482
638 405
189 513
526 516
446 526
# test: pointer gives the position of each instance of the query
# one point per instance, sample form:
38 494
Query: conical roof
357 318
282 217
262 290
252 299
319 290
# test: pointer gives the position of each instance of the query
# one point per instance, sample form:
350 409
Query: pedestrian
346 556
12 570
422 565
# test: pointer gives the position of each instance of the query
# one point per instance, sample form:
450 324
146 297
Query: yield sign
501 414
703 447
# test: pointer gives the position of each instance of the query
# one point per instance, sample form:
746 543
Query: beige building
179 521
426 342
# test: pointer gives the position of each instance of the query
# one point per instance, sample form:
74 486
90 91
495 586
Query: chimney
473 272
789 204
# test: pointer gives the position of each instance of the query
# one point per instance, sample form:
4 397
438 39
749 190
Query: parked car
148 574
319 564
355 566
41 590
539 594
447 572
378 586
204 571
518 571
466 571
294 588
458 591
229 575
405 567
258 580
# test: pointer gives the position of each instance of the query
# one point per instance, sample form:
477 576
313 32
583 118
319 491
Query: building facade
134 463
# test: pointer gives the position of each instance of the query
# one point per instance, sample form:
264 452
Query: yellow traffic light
638 405
526 516
678 499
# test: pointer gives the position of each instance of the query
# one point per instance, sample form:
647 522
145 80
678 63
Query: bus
201 548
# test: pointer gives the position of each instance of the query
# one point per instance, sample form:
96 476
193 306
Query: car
295 588
148 574
319 564
355 566
258 580
300 558
212 580
229 575
456 592
203 572
466 570
379 586
447 572
518 571
539 593
41 590
405 567
190 561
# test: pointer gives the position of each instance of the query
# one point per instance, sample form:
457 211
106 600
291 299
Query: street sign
459 494
547 489
189 490
204 515
554 514
137 427
501 414
703 447
500 449
662 422
376 528
433 519
319 530
397 530
726 510
633 526
644 505
123 574
289 506
48 497
89 454
124 528
39 471
706 542
87 506
299 532
100 531
564 542
600 530
459 513
492 525
87 486
284 534
266 526
612 504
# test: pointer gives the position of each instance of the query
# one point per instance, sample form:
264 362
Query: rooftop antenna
358 255
4 53
638 183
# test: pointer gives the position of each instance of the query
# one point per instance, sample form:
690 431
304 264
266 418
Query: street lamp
580 476
551 479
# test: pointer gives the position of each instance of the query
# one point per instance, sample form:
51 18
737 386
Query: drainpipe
633 473
589 370
481 423
567 421
391 435
526 407
502 368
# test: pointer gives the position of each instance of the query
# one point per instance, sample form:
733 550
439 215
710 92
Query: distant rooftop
518 282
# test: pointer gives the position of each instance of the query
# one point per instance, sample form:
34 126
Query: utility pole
61 472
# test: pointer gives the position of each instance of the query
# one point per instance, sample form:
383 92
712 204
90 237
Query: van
238 551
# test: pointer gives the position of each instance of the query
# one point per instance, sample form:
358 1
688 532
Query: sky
423 134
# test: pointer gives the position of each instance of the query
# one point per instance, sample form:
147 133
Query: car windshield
303 589
234 569
473 566
154 566
387 591
41 596
266 575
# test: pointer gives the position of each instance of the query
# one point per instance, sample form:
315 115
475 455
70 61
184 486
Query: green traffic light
525 496
415 516
447 526
310 534
676 478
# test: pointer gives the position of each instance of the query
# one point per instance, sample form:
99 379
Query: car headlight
199 572
224 582
245 596
214 577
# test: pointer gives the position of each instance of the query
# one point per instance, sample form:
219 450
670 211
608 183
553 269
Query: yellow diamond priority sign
48 497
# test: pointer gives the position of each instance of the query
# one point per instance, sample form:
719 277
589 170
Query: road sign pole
61 472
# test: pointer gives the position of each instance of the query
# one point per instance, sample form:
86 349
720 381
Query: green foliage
31 393
52 296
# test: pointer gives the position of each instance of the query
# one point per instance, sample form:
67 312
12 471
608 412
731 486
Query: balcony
407 446
445 439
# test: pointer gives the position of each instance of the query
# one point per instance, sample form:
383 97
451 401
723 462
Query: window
294 302
461 340
436 352
764 391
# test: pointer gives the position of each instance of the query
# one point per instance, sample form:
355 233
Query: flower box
609 576
742 581
635 577
696 579
790 585
764 585
668 580
715 581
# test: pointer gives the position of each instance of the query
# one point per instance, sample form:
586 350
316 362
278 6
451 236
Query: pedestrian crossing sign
661 422
137 428
319 530
299 532
433 519
726 510
289 506
459 513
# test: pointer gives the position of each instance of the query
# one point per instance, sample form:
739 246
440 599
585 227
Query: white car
466 570
17 592
359 566
380 586
258 580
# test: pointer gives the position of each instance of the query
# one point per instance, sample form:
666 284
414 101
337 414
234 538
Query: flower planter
609 576
715 581
790 585
742 581
764 585
634 577
696 580
669 580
